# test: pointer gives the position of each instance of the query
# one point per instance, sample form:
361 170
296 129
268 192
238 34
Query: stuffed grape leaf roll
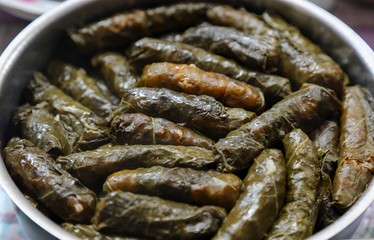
305 109
138 128
85 129
298 216
156 218
75 82
258 52
93 167
261 201
126 27
37 172
40 126
186 185
304 62
356 161
117 72
202 113
193 80
326 140
149 50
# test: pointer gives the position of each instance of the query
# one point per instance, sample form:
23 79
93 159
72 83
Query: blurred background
17 14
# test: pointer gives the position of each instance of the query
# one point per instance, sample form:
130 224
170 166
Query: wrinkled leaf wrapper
259 52
92 167
75 82
85 129
37 172
156 218
326 140
117 73
138 128
305 109
202 113
39 126
193 80
149 50
124 28
356 162
260 203
298 216
179 184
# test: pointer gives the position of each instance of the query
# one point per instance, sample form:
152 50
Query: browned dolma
37 172
202 113
138 128
156 218
75 82
149 50
126 27
304 62
259 52
305 109
298 216
39 126
240 19
93 167
326 140
85 129
260 203
356 161
179 184
193 80
88 232
116 71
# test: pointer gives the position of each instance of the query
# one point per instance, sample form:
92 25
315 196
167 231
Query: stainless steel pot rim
21 42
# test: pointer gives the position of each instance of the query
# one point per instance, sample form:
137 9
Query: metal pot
32 48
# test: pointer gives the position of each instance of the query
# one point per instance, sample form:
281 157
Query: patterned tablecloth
360 17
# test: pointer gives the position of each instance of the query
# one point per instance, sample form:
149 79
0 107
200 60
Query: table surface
359 17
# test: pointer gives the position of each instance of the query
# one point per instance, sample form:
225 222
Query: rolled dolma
179 184
305 109
37 172
193 80
40 126
88 232
302 61
156 218
148 50
126 27
240 19
298 216
116 71
326 141
356 161
93 167
138 128
75 82
85 129
261 201
202 113
259 52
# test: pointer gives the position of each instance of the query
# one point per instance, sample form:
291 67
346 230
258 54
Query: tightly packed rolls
138 128
189 76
